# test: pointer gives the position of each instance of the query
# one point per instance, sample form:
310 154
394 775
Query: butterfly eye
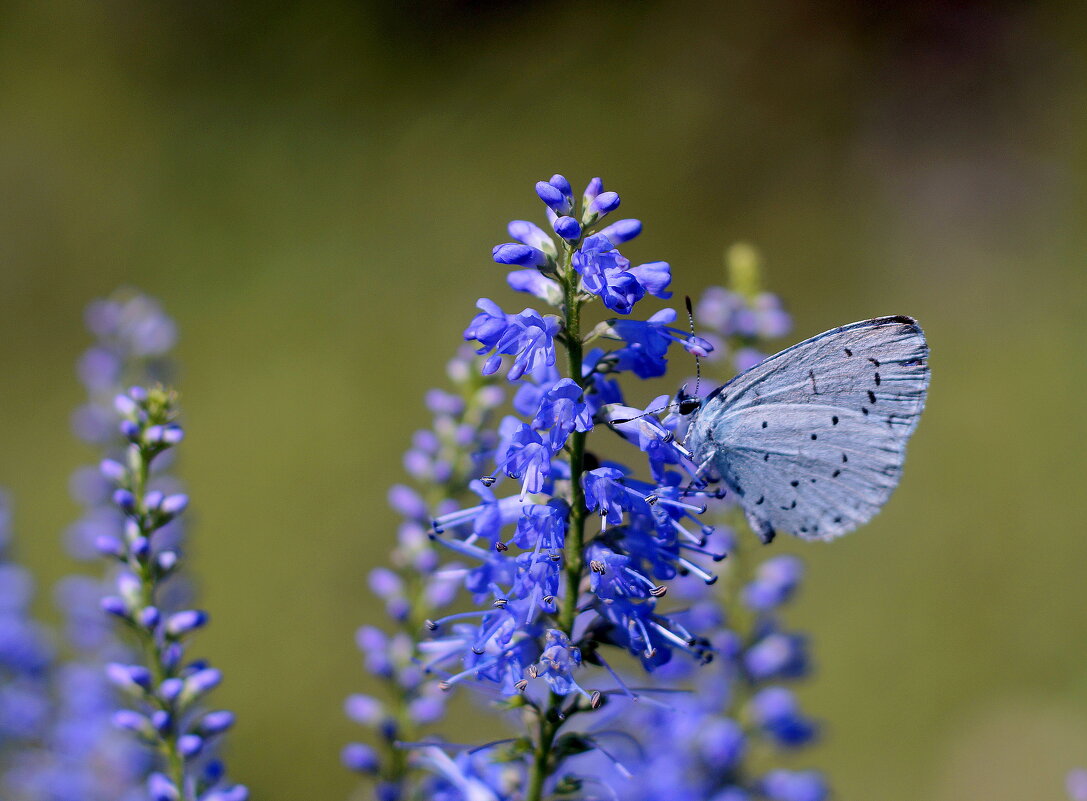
689 405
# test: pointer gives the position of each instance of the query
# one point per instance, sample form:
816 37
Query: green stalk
145 571
549 720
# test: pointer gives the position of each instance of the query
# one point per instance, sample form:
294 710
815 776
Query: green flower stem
140 469
550 719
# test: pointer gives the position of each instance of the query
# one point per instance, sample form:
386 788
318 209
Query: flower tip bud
360 758
190 745
568 228
161 788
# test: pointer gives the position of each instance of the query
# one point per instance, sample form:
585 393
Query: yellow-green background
313 189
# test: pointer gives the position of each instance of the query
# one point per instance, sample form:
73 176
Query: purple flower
530 234
558 662
622 231
557 194
775 582
523 455
521 255
529 336
563 411
787 785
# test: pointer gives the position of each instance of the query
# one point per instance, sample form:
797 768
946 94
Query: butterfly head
687 404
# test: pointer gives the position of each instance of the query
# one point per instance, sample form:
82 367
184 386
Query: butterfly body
811 441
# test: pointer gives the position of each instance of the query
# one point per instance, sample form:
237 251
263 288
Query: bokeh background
312 190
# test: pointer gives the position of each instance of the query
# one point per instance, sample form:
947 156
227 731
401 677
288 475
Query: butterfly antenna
697 361
643 414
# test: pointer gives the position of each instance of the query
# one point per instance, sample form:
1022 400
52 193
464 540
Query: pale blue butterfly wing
811 441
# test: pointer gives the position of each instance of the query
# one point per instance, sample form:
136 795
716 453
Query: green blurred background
312 189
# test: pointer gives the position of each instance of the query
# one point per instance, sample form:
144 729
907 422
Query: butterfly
811 441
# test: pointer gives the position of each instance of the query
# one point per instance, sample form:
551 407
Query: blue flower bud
134 722
238 792
114 606
214 723
153 499
125 500
553 197
140 548
138 394
148 617
113 470
788 785
777 656
164 435
424 710
161 788
172 655
360 758
166 561
528 233
129 429
200 683
109 546
385 584
181 623
560 183
595 187
132 530
173 505
213 772
568 228
364 710
130 678
170 689
622 231
602 204
521 255
125 406
190 745
130 587
163 721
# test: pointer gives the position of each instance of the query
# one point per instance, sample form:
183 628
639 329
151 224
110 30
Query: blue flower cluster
26 655
415 588
166 690
742 318
696 745
80 755
558 596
